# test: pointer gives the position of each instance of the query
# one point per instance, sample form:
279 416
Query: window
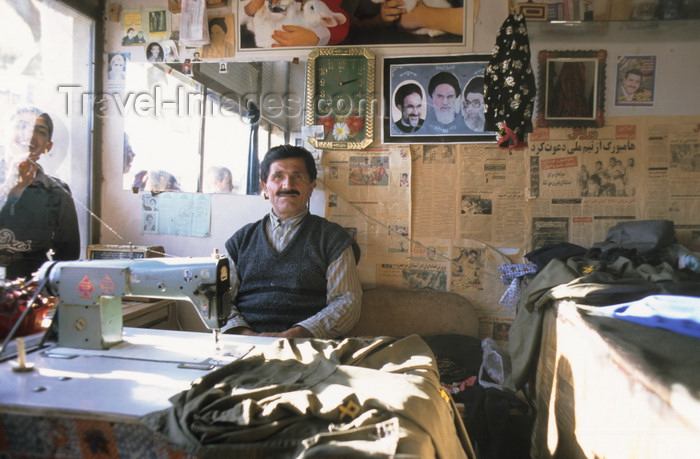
46 51
162 129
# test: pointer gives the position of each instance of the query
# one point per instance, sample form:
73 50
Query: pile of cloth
637 259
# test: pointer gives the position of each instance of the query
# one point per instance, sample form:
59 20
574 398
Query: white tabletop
128 380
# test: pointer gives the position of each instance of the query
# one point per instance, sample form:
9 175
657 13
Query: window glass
162 123
226 138
46 54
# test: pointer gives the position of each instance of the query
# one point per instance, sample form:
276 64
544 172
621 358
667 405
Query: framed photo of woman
571 89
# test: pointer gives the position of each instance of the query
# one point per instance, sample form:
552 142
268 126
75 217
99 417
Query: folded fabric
645 236
677 313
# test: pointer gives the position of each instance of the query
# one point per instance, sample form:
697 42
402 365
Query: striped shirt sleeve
344 299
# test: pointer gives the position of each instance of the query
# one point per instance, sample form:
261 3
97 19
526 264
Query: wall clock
340 97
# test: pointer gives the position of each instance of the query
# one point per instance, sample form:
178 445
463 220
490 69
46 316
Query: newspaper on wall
471 203
584 181
368 192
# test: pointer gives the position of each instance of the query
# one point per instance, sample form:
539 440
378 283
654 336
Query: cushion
399 312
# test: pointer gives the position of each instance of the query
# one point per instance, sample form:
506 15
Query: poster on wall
181 214
116 70
435 99
636 76
221 36
264 25
132 25
158 24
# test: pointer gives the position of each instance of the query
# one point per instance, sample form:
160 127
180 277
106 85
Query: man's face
631 83
410 110
473 107
288 186
444 97
30 137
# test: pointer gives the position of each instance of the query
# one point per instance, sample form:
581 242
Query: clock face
340 88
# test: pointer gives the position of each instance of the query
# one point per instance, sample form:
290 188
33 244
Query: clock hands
341 82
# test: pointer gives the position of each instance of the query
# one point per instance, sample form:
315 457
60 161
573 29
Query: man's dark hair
286 152
221 22
406 90
634 71
154 45
475 85
39 114
443 78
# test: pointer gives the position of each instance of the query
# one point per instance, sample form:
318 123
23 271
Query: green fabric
294 398
587 281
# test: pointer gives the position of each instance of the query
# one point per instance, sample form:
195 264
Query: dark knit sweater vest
279 290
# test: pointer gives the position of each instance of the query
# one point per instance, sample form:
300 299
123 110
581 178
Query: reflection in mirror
206 131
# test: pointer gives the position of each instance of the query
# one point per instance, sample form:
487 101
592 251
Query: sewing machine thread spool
22 365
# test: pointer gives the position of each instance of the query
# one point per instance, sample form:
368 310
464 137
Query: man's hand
27 172
294 332
241 331
391 10
253 6
294 36
446 19
414 19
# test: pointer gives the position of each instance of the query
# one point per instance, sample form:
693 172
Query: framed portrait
571 88
356 23
635 81
435 99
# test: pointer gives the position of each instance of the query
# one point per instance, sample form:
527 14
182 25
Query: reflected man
38 214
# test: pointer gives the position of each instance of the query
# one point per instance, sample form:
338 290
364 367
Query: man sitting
293 273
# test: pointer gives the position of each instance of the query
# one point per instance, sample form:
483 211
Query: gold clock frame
311 96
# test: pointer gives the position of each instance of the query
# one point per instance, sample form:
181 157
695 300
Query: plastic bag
495 370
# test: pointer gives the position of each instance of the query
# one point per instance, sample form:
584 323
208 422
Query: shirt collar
291 221
42 178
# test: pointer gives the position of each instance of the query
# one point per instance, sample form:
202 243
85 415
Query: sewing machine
90 293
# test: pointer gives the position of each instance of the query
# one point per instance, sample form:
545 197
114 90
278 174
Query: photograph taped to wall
351 23
435 99
222 38
571 88
636 76
158 23
134 31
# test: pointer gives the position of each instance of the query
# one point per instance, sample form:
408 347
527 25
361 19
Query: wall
675 45
121 211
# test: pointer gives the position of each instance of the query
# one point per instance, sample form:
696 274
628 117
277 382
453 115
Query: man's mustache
288 192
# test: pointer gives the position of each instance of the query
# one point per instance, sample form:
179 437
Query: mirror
202 127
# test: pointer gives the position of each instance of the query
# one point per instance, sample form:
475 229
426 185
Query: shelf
637 30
